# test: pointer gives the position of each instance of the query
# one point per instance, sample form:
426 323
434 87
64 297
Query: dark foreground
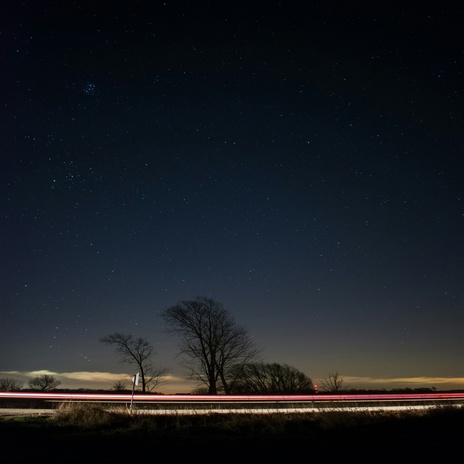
364 437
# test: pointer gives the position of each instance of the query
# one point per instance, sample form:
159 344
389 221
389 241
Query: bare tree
137 351
119 385
271 379
44 383
211 342
333 383
8 384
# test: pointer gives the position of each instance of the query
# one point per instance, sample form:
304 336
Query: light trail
182 412
241 411
242 404
127 397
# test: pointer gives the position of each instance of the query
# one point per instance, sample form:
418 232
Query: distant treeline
350 391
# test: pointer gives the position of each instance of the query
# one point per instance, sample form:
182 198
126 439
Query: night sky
300 162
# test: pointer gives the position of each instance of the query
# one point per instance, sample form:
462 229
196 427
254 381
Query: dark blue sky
300 162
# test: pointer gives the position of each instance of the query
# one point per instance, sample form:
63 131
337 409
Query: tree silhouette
270 379
8 384
333 383
211 343
44 383
137 351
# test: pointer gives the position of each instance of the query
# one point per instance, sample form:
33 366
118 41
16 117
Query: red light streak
232 398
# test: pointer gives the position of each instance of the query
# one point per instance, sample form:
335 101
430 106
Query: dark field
93 435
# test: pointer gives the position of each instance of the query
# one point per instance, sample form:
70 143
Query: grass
88 432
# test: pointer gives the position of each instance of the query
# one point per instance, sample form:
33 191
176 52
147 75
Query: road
234 404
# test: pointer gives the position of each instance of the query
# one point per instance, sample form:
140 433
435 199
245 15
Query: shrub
88 415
